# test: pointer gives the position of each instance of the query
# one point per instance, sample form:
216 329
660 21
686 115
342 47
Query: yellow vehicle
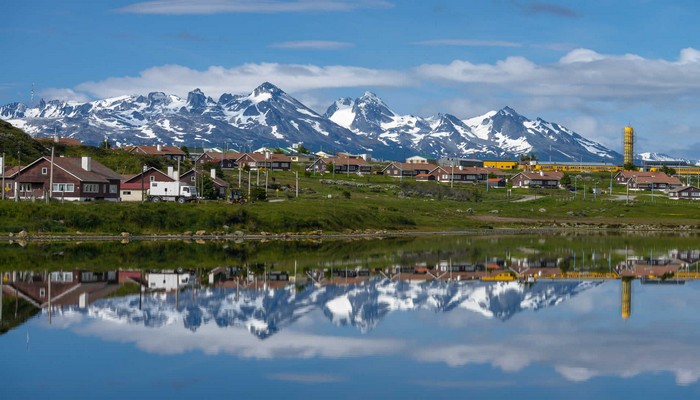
499 277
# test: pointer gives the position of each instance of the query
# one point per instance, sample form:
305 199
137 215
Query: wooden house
73 179
684 193
538 179
270 161
171 152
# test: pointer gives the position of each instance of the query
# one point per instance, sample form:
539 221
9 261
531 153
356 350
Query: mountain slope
270 117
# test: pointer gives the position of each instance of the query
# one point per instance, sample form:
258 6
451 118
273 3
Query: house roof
658 177
218 155
550 175
630 174
73 165
154 150
462 171
411 166
260 157
683 189
137 177
11 171
218 181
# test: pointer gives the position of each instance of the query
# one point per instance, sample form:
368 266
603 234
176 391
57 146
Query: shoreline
126 237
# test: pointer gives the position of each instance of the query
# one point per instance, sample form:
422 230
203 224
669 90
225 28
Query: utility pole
49 195
296 185
249 199
19 169
2 166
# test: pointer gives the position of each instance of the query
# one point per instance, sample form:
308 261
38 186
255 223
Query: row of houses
83 179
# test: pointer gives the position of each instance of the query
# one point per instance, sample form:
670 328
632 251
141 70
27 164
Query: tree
668 170
208 190
565 180
629 167
185 150
303 150
528 157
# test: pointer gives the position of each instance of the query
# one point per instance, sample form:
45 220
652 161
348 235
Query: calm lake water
379 337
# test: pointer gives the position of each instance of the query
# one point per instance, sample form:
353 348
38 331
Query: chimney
213 173
87 163
541 173
159 147
55 138
267 155
171 172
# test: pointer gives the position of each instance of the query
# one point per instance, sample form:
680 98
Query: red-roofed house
341 165
227 159
542 179
459 174
655 181
271 161
684 193
135 188
399 169
192 176
172 152
74 179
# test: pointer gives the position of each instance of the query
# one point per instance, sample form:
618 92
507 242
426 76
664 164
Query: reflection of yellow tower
626 298
628 148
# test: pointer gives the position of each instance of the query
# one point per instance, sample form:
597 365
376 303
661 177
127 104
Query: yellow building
502 165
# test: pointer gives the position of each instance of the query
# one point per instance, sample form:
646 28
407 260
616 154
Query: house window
42 292
63 187
192 178
152 178
44 171
25 187
127 193
91 188
113 189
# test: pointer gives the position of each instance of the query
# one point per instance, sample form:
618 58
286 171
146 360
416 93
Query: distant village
85 179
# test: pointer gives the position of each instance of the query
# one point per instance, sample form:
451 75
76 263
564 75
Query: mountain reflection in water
265 312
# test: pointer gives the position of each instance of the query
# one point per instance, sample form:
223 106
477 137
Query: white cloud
312 44
63 94
216 80
580 73
183 7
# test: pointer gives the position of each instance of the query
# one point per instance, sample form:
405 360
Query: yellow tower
626 298
628 152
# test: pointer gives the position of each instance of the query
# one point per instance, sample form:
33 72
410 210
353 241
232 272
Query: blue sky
591 66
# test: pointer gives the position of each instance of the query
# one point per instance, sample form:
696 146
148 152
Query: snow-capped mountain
656 157
497 134
270 117
364 305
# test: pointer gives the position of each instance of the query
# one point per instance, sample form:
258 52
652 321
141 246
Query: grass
342 203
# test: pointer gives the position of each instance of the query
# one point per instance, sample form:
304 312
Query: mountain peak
369 97
267 87
507 110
